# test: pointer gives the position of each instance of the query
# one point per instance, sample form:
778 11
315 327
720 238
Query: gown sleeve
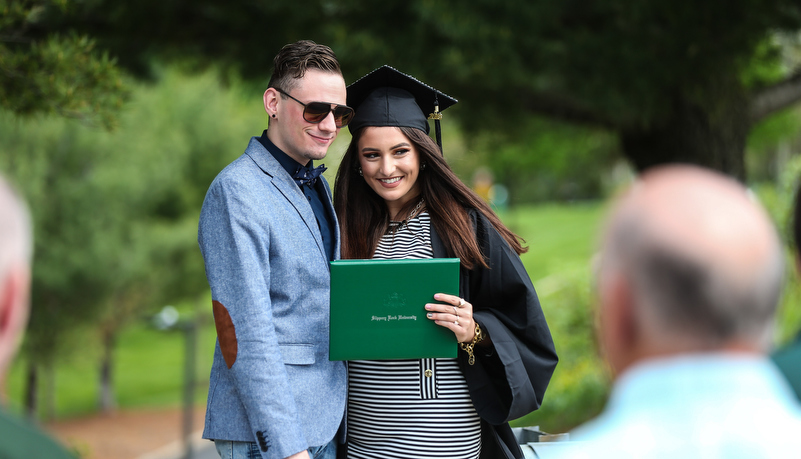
509 378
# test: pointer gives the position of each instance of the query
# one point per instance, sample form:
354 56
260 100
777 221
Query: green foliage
580 383
789 315
765 66
672 78
781 127
770 144
547 160
779 199
115 213
180 134
65 74
624 59
56 171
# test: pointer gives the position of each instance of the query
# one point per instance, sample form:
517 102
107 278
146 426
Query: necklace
395 226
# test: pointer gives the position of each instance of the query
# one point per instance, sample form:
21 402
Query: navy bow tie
306 176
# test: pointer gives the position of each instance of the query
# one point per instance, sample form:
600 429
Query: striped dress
410 408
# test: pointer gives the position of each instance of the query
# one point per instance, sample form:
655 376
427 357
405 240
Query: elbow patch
226 334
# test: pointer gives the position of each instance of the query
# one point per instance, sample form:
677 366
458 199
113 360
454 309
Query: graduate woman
396 197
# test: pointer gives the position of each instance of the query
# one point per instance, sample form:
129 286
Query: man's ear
14 291
271 102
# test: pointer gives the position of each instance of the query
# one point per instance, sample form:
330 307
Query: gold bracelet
471 359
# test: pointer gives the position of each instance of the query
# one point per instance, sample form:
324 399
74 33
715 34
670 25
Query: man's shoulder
18 439
255 157
720 428
255 165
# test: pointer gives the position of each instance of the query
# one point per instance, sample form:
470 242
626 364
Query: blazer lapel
329 206
283 182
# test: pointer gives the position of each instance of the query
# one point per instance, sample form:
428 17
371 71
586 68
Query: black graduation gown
509 378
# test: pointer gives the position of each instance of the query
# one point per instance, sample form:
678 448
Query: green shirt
20 440
788 359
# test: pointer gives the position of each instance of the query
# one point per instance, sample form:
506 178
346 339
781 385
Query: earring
360 172
273 115
423 167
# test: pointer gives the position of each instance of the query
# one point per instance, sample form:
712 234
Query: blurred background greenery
116 116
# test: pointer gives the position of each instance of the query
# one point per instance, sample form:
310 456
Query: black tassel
437 127
438 130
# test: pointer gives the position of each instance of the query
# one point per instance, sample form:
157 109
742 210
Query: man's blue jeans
250 450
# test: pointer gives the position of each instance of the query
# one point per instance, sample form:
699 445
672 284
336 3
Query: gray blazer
271 381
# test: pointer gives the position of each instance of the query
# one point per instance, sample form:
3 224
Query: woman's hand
456 315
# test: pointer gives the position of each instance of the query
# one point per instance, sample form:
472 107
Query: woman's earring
361 174
423 167
273 115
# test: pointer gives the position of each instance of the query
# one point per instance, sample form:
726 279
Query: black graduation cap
387 97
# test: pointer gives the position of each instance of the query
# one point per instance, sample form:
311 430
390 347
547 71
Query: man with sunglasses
267 232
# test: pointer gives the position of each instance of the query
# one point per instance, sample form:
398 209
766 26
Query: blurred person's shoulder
788 360
19 439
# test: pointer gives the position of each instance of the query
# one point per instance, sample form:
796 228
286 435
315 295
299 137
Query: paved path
201 449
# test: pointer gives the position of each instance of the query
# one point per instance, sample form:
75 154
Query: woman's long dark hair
364 217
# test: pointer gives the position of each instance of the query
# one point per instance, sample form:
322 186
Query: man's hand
301 455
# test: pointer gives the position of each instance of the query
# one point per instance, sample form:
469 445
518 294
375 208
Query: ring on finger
461 302
456 322
455 312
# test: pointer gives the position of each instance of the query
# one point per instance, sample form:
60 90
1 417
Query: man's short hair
294 59
16 240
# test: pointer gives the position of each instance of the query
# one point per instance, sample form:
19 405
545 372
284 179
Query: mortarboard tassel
437 116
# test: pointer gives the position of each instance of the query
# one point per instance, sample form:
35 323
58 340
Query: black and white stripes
411 239
391 415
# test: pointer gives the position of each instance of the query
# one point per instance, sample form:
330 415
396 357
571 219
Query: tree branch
774 98
565 109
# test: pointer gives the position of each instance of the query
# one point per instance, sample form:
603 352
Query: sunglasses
316 112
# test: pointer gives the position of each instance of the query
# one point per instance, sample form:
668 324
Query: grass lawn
150 363
558 237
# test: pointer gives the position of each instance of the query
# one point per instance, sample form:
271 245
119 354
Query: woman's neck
395 214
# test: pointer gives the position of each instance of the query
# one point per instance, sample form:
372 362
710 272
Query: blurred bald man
18 440
689 277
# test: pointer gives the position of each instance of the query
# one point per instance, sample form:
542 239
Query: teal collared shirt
710 406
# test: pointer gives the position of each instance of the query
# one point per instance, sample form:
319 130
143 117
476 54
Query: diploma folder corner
378 308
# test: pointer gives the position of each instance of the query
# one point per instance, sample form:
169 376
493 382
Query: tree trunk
50 392
692 135
107 400
31 390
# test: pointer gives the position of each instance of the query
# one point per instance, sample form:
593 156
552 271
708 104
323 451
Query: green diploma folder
378 308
